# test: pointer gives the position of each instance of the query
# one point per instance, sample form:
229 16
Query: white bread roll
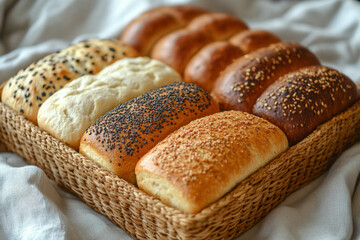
68 112
202 161
32 86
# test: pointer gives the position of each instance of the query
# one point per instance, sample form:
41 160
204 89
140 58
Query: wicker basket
145 217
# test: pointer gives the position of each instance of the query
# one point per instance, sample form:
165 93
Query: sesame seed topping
64 66
303 99
248 81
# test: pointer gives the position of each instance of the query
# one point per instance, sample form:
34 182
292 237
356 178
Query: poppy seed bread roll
122 136
300 101
145 30
242 82
72 109
30 87
199 163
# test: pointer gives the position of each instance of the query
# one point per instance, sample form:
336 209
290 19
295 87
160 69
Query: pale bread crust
68 112
202 161
30 87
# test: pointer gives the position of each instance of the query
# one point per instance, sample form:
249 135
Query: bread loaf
199 163
252 39
29 88
144 31
300 101
244 80
177 48
68 112
220 26
205 67
122 136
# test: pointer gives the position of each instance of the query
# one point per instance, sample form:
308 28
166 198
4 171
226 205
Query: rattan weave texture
145 217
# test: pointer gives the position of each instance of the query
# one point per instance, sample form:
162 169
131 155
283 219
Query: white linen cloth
33 207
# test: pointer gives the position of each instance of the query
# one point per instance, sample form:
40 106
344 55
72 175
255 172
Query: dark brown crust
122 136
251 40
243 82
205 67
145 30
300 101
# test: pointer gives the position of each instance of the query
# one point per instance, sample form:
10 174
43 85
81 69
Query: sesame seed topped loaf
300 101
122 136
246 78
202 161
72 109
30 87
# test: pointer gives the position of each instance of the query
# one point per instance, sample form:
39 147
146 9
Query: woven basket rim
171 213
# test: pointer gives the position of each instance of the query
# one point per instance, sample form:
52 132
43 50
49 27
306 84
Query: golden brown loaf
244 80
122 136
205 67
251 39
300 101
177 48
199 163
143 32
220 26
29 88
72 109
